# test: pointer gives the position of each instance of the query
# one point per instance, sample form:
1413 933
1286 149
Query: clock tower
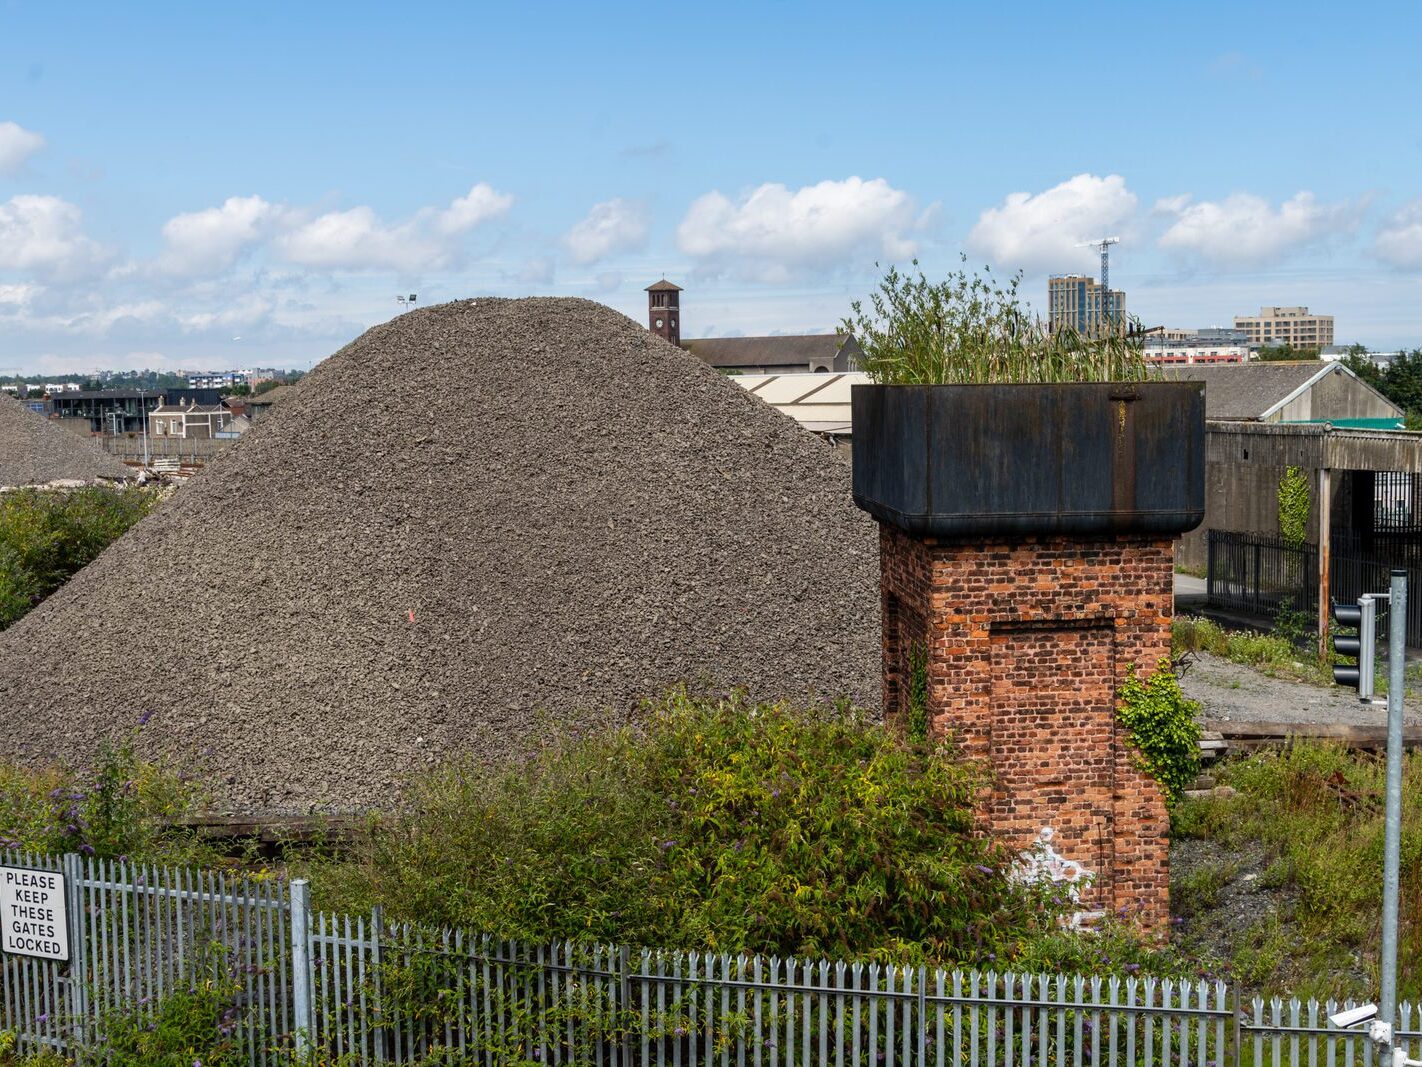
664 310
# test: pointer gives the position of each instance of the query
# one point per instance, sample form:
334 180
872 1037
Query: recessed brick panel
1027 642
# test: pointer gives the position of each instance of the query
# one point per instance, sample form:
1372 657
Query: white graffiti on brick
1042 863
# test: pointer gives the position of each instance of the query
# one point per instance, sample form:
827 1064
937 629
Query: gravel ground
1228 690
35 451
471 517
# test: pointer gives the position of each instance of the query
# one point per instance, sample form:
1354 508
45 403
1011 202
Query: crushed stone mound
473 519
36 451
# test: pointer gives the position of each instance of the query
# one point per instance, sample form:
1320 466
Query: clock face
659 323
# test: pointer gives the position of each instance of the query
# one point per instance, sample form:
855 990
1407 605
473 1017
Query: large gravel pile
470 521
35 451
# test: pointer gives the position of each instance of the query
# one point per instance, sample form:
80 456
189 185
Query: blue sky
206 186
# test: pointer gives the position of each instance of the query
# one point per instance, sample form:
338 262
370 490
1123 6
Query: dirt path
1228 690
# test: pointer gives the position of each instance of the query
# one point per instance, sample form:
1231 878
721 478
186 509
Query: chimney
664 310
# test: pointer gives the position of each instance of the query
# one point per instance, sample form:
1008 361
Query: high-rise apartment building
1075 301
1287 326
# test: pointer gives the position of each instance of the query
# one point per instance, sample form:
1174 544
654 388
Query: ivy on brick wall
1163 726
1294 503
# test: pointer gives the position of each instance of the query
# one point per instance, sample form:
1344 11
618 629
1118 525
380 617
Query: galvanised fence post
73 869
301 978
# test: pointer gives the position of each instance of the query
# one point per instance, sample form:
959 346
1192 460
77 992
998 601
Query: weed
1269 653
970 328
1200 890
1316 811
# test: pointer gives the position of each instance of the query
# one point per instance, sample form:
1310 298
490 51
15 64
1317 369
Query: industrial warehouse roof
785 350
818 402
1248 392
1258 390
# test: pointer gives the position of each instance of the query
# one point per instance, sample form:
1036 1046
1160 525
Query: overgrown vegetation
1317 812
1295 501
47 535
1275 654
716 825
1163 726
119 809
971 328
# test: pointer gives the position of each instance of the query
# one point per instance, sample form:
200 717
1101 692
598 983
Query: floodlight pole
1392 842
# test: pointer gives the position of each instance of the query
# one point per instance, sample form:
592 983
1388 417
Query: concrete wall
1245 497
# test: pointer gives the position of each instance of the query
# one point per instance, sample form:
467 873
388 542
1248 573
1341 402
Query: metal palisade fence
286 985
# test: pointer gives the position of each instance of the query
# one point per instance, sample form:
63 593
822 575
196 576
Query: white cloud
615 225
17 144
358 240
211 240
774 234
480 204
1245 230
537 271
1399 242
44 234
17 294
1045 231
243 312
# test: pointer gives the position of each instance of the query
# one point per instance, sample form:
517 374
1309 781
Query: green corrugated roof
1356 424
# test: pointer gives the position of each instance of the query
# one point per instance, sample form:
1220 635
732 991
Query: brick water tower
664 310
1027 562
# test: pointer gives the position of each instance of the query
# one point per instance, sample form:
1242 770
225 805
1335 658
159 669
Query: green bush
119 808
1164 728
198 1025
47 535
720 825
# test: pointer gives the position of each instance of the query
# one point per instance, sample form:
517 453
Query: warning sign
33 914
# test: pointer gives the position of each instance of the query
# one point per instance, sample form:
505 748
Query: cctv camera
1354 1016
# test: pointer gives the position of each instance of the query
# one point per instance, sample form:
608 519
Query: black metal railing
1257 574
1260 574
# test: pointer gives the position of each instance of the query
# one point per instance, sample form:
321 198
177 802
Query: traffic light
1360 646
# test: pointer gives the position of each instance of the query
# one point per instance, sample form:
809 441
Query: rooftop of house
780 350
188 409
1255 390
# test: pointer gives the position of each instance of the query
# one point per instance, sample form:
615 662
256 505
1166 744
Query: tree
1402 380
1358 362
1284 353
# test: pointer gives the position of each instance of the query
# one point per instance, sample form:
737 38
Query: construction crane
1103 243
